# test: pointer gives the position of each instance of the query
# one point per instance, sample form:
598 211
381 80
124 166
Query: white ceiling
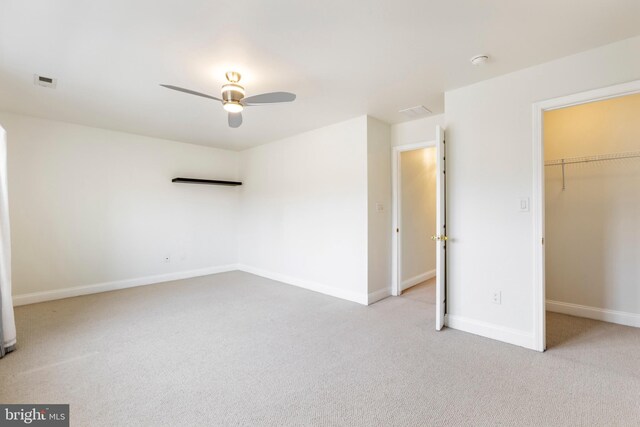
343 58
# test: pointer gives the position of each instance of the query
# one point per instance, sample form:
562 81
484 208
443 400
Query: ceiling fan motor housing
232 92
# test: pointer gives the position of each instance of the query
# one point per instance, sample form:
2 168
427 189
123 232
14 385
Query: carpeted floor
236 349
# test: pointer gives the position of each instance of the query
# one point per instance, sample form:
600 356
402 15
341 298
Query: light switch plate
379 207
523 204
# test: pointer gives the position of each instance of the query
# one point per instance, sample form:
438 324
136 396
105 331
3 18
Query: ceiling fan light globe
233 107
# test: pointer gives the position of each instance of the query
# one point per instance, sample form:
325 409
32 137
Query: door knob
442 238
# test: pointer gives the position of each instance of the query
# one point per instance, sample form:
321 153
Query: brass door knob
442 238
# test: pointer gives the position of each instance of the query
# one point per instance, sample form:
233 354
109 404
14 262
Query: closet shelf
205 181
590 159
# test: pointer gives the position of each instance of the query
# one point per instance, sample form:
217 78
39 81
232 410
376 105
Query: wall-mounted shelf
205 181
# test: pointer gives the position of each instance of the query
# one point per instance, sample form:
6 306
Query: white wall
592 240
379 209
310 213
91 206
304 210
95 210
419 130
418 215
489 167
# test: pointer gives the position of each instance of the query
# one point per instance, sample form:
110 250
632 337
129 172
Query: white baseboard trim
613 316
379 295
406 284
306 284
490 330
35 297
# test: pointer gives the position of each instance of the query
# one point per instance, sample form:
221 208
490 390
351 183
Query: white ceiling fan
233 99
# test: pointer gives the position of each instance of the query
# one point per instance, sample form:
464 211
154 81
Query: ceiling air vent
415 112
44 81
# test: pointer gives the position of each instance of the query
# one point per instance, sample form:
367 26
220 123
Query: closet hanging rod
589 159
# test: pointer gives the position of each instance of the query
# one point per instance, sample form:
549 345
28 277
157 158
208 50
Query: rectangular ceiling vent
415 112
44 81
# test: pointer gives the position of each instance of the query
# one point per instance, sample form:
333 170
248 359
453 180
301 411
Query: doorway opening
587 214
416 223
419 212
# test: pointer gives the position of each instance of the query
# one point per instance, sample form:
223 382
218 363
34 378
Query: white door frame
538 189
396 239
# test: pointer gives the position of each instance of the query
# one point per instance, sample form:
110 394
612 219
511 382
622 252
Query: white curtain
7 323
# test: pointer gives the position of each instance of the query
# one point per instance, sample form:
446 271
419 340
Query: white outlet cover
497 297
523 204
379 207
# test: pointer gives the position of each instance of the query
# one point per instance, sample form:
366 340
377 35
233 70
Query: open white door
441 229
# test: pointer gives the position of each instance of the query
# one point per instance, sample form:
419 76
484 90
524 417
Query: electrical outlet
496 297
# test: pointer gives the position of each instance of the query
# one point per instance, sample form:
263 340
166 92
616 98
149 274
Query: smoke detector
479 59
415 112
44 81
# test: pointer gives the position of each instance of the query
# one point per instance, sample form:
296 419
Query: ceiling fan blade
192 92
235 120
269 98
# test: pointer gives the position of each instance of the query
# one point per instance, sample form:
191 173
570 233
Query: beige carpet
423 292
236 349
